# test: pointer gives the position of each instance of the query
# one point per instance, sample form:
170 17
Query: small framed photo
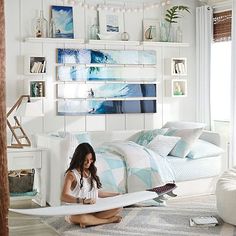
151 30
111 24
62 17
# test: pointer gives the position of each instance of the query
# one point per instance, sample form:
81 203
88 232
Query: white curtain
203 63
232 151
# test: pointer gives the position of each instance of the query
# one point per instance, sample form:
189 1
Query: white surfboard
101 204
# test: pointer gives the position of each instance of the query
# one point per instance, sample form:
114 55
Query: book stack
203 221
38 67
179 68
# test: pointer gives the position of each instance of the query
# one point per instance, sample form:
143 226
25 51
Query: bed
128 161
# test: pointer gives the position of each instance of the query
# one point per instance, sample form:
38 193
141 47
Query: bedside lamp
22 107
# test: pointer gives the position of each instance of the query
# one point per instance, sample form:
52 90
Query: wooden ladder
22 139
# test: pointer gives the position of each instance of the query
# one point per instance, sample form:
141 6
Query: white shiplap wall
19 18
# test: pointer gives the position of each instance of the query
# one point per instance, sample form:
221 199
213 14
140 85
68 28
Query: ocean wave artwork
73 107
117 57
63 19
111 90
78 73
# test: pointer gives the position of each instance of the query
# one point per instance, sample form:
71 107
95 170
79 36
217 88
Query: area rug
170 220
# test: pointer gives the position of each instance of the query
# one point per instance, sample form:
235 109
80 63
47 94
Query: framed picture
63 21
151 30
111 24
75 107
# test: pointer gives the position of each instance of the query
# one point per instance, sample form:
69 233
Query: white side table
30 158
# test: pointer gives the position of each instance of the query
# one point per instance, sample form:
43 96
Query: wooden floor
23 225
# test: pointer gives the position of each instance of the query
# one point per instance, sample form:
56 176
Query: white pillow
188 138
163 144
73 140
184 125
203 148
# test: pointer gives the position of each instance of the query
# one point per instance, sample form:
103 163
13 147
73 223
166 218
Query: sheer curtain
232 150
203 65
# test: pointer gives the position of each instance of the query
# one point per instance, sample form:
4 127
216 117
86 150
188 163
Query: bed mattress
188 169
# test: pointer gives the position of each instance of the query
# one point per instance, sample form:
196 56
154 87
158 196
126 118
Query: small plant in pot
171 16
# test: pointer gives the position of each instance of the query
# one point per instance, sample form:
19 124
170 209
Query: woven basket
21 181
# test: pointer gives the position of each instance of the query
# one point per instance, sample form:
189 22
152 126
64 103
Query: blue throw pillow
146 136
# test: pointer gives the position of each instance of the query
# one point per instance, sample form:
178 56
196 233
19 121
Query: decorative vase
124 36
170 33
41 27
93 32
52 29
179 35
163 32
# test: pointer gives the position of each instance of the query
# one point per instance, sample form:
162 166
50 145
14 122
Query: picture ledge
104 42
53 40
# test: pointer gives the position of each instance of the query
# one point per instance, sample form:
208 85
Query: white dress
85 191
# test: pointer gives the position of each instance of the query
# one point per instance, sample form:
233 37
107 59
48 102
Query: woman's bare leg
108 214
90 219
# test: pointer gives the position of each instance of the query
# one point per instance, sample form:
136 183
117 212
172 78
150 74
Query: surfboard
102 204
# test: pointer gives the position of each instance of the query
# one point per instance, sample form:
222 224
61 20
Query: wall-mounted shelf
176 66
53 40
164 44
104 42
36 88
176 88
114 42
35 65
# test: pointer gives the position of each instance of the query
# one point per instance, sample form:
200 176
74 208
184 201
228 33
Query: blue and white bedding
186 169
125 166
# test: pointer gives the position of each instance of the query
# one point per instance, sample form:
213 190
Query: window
221 66
220 80
222 26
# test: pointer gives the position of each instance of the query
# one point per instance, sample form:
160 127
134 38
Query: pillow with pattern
188 138
144 137
162 145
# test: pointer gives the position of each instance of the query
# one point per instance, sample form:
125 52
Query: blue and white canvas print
63 20
73 107
89 56
72 73
111 90
78 73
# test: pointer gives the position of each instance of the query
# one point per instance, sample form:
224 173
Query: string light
116 8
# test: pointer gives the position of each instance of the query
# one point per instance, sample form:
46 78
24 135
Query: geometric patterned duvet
124 166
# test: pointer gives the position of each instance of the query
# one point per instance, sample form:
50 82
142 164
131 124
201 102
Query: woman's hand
89 201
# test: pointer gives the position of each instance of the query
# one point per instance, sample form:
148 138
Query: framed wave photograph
62 17
111 24
74 107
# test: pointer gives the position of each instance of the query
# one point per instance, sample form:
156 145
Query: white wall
19 17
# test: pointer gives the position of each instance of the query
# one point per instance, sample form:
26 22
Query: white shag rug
170 220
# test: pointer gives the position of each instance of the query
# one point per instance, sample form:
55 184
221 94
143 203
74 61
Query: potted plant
171 16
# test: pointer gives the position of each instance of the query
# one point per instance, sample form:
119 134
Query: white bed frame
57 163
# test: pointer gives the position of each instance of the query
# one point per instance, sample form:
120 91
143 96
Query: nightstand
30 158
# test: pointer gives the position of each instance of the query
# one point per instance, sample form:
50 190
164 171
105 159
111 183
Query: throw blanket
139 168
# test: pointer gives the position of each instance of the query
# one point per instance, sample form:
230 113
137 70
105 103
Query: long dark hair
77 162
